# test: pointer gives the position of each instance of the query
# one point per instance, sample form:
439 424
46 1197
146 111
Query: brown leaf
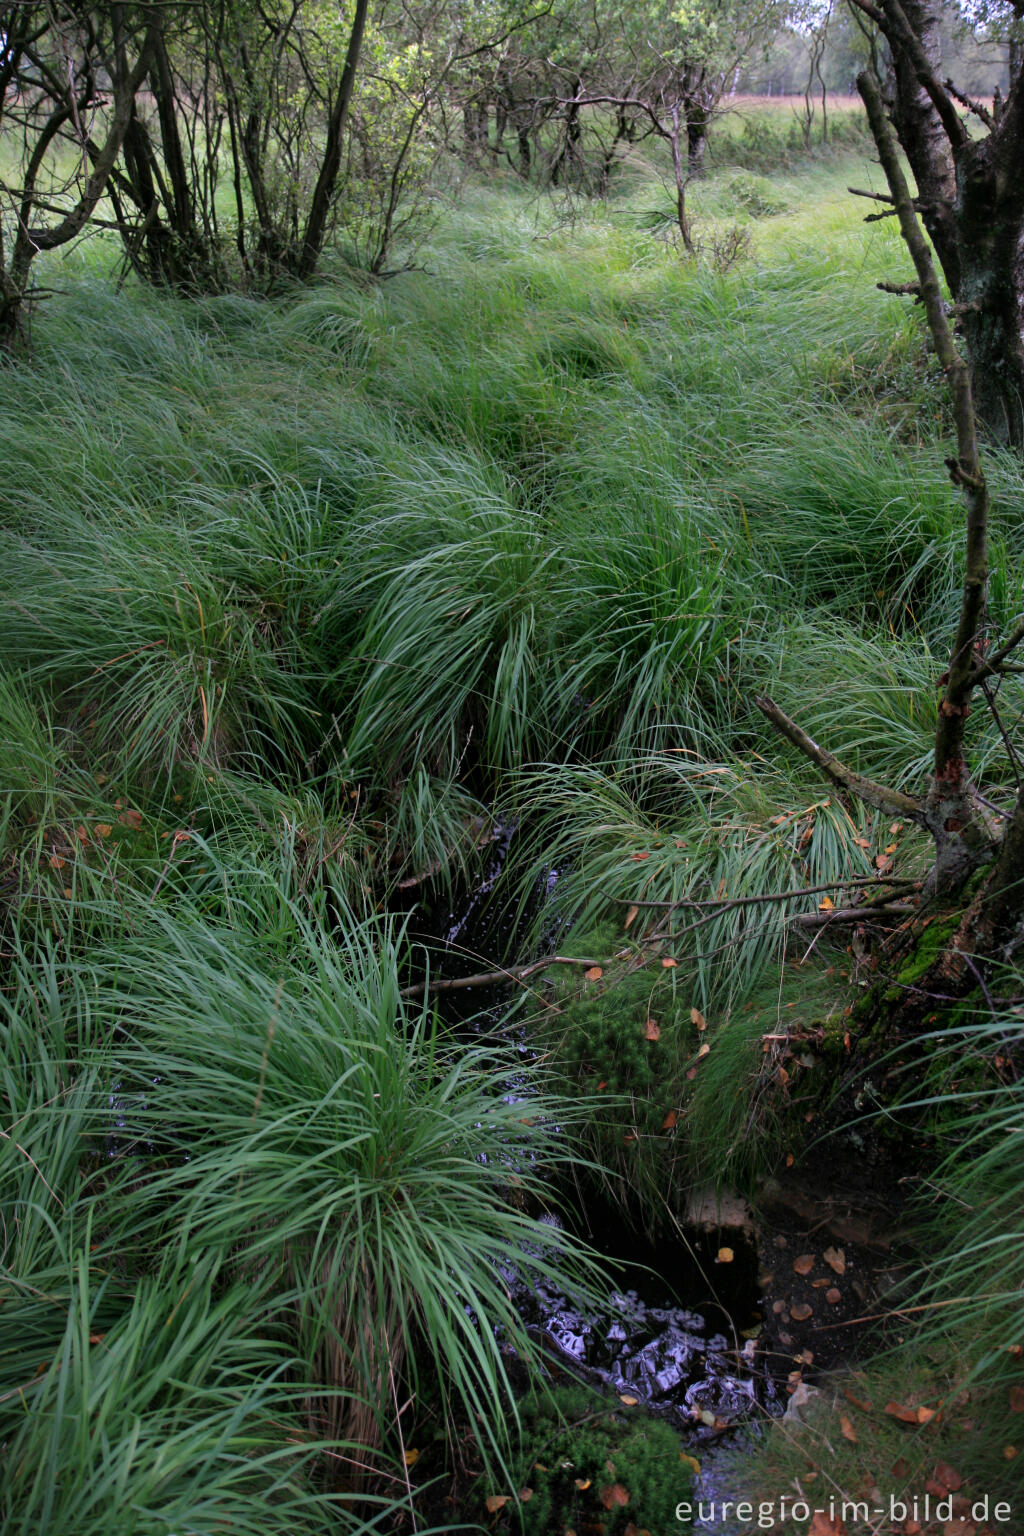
525 1494
858 1402
925 1415
826 1525
801 1312
697 1018
948 1476
652 1030
594 974
725 1256
631 916
131 819
704 1051
833 1297
835 1258
639 857
882 861
614 1495
630 1402
846 1425
104 828
496 1501
804 1264
902 1412
668 964
669 1122
583 1483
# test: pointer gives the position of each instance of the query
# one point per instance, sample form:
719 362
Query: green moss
588 1463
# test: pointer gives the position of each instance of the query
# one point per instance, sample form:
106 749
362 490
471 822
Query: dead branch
880 796
492 978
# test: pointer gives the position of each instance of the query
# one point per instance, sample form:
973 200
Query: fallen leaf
697 1018
826 904
948 1476
819 1285
639 857
669 1122
882 861
690 1461
902 1412
631 916
668 964
801 1312
835 1258
805 1357
583 1483
846 1425
1009 1452
725 1256
789 1159
704 1051
56 862
594 974
691 1074
496 1501
858 1402
83 835
652 1030
925 1415
826 1525
411 1458
104 828
131 819
833 1297
630 1402
525 1494
804 1264
614 1495
861 842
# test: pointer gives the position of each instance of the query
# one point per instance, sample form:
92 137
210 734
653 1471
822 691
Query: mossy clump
590 1463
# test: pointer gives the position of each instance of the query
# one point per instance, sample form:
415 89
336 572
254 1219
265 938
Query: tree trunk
323 193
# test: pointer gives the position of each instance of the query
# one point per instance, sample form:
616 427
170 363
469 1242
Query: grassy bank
301 597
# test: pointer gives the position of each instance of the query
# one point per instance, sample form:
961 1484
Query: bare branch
880 796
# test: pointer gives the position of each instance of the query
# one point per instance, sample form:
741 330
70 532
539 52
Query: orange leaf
583 1483
630 1402
902 1412
668 964
104 828
882 861
411 1458
594 974
835 1258
789 1159
614 1495
631 916
652 1030
725 1256
496 1501
861 842
697 1018
858 1402
801 1312
925 1415
638 857
669 1122
804 1264
826 904
849 1433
